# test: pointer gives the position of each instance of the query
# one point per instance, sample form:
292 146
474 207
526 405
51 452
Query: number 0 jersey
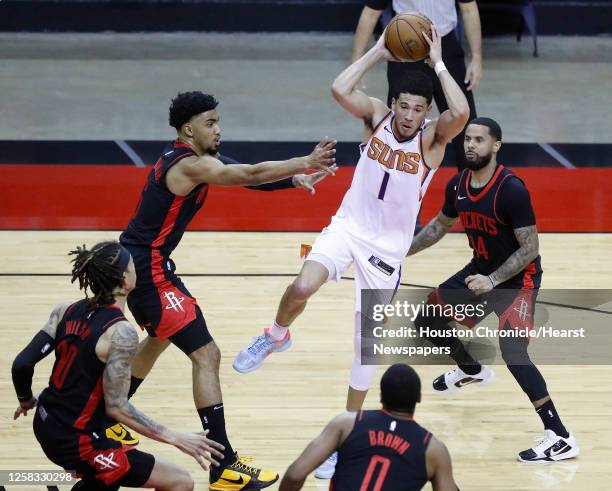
382 453
381 207
75 394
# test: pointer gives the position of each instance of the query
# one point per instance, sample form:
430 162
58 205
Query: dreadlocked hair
98 270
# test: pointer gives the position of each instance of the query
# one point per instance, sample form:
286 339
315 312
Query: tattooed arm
123 347
527 238
431 233
23 366
116 383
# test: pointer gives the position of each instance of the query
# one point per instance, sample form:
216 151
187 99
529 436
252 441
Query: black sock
551 420
472 368
213 420
134 384
463 359
457 349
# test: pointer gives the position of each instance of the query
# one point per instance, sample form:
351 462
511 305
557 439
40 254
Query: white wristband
439 67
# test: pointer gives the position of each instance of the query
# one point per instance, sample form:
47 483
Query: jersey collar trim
486 189
396 135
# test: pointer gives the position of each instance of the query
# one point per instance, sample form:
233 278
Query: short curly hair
415 83
186 105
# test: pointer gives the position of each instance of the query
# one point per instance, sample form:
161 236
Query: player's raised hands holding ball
435 46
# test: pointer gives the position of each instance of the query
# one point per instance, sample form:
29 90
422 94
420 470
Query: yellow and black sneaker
122 434
239 476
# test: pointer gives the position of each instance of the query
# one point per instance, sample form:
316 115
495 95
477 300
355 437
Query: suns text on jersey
393 159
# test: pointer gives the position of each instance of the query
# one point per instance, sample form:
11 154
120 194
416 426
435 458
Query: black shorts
513 301
93 457
162 305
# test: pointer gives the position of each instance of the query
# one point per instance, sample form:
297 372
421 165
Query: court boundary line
263 231
285 275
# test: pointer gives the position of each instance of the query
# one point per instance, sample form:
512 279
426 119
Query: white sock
278 332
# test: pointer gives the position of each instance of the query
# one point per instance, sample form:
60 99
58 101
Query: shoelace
241 464
542 441
260 343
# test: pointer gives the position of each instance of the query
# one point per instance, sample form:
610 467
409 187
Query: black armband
23 366
269 186
286 183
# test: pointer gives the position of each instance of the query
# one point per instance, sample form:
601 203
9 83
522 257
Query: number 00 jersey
382 453
381 207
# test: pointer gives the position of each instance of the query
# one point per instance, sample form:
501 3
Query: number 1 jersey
381 207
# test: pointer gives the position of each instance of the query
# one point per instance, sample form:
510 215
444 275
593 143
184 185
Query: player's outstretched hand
435 46
199 447
24 407
308 181
323 156
479 283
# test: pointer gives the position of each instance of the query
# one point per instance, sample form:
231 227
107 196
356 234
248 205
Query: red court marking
93 197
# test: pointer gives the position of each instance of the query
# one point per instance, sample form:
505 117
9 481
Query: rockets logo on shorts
106 461
174 302
523 309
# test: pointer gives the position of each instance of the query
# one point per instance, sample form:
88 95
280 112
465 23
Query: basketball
404 38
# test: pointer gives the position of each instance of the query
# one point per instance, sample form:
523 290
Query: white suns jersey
380 208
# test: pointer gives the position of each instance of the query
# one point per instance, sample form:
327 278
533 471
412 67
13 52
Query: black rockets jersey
75 394
382 453
161 217
489 216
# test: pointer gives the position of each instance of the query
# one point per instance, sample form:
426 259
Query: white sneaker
326 469
550 448
251 357
456 378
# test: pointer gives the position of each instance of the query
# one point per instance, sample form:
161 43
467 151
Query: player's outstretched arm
356 102
439 466
23 366
452 121
317 451
116 384
209 169
431 233
298 181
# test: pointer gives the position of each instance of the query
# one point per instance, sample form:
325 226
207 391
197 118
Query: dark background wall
554 17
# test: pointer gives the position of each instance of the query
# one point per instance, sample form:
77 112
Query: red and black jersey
489 216
382 453
74 396
161 217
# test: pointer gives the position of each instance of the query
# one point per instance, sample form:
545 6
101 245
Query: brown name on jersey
384 439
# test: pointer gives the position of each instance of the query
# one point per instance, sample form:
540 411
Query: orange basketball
404 36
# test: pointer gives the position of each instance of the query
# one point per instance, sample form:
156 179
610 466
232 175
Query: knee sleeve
514 352
361 375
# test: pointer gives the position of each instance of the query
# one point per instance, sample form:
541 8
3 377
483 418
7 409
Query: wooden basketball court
273 412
